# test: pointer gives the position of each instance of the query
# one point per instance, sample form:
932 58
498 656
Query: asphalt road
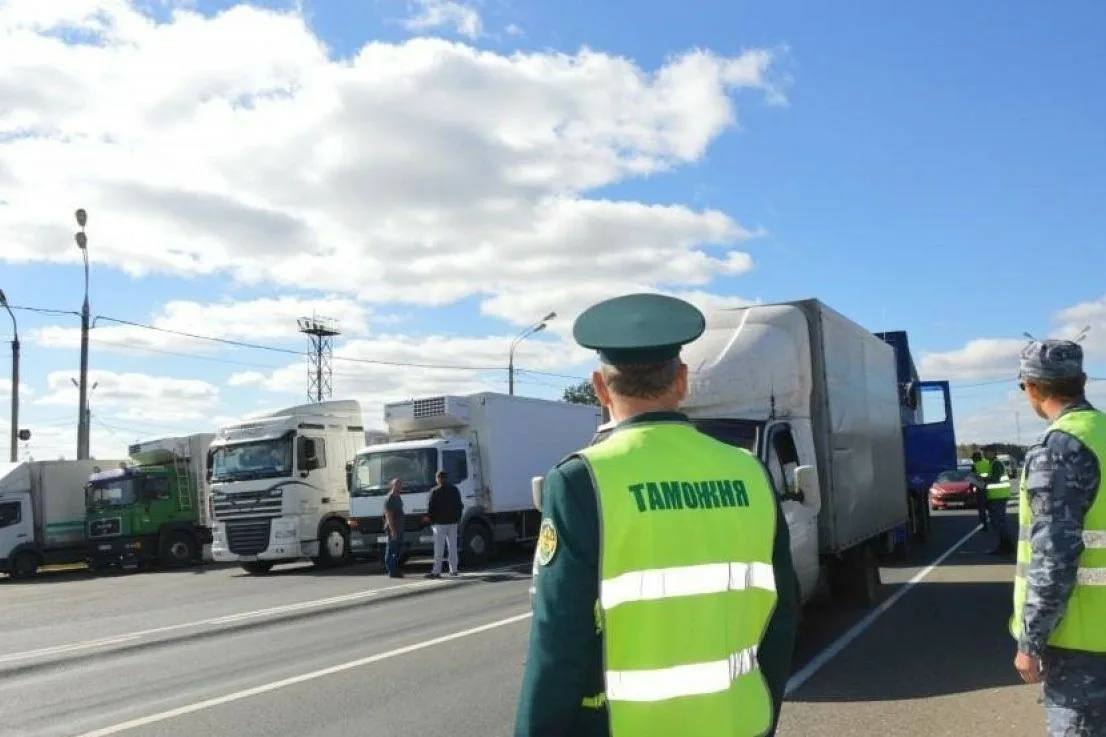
306 652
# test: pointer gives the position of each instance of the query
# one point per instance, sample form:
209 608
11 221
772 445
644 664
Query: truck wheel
333 545
476 545
23 565
176 549
257 567
856 577
925 522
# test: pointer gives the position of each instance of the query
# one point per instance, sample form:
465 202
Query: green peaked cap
638 328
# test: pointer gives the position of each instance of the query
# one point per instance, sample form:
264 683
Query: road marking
796 681
273 686
236 617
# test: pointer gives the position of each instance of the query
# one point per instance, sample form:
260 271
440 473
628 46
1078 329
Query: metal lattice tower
320 332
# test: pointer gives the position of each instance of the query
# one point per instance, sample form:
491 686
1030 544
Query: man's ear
602 393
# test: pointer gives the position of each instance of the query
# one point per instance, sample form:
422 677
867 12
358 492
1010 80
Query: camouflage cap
1051 359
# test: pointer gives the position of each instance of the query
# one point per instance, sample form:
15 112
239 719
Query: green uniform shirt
565 660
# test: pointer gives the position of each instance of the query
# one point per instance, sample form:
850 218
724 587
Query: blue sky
935 167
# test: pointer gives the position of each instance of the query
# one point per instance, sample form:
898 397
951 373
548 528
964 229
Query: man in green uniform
665 602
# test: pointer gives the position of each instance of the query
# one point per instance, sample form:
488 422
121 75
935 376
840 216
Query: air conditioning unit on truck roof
427 415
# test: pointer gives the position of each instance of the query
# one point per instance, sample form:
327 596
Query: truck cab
145 512
415 464
279 488
17 534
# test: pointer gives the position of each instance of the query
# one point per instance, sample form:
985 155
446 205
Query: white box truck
157 508
816 397
278 486
42 513
490 446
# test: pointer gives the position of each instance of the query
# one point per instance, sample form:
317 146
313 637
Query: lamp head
549 317
540 328
82 240
82 218
3 299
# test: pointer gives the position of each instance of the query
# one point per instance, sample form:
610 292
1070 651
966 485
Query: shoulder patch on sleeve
547 542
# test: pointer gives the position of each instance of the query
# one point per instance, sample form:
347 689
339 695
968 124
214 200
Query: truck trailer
490 446
155 509
42 513
815 396
278 486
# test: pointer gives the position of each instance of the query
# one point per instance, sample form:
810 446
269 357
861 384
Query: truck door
782 459
930 442
16 523
456 466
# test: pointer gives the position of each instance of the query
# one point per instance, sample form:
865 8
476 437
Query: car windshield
373 472
951 476
118 492
254 460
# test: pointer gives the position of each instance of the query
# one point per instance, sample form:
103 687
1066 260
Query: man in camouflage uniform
1063 479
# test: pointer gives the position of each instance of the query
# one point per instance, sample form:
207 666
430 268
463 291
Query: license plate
382 540
426 539
104 547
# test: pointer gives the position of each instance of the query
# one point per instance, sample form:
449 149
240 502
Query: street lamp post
82 410
15 379
535 328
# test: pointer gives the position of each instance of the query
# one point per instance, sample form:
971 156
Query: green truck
154 509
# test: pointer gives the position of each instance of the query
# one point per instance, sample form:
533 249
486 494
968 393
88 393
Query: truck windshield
373 472
120 492
259 459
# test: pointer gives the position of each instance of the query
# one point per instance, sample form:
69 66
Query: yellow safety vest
1083 626
686 590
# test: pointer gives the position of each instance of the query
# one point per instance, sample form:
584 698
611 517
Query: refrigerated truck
42 513
815 396
490 446
156 508
278 486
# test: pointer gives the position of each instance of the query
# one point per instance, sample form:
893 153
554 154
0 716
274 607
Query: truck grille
248 537
108 527
245 504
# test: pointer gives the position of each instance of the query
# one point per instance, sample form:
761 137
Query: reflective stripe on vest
1081 627
998 491
686 584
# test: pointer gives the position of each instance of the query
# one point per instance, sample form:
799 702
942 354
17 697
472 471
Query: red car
951 488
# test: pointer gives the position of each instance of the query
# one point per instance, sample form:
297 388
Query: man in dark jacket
444 511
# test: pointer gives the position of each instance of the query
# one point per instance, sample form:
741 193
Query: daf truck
816 397
278 486
154 509
42 513
489 445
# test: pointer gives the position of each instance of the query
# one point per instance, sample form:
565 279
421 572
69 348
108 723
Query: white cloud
246 378
1072 321
259 320
416 172
457 17
25 391
982 358
993 358
999 421
137 397
375 384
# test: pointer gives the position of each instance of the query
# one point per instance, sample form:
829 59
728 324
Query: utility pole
320 332
535 328
82 390
15 379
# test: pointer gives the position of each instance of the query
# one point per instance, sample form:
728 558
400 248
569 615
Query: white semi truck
278 486
490 446
42 513
815 396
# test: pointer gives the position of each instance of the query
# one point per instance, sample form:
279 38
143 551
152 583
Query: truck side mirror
806 481
349 476
536 490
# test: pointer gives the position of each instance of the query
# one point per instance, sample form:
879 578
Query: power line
44 310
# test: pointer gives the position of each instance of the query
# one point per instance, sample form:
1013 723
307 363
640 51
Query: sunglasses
1021 385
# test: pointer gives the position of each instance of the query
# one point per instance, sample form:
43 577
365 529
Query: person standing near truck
998 494
393 527
664 596
444 510
1059 617
981 467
